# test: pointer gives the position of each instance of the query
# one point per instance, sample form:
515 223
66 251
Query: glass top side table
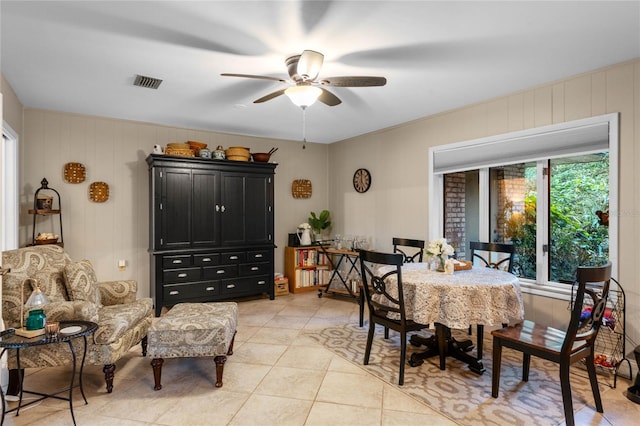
68 331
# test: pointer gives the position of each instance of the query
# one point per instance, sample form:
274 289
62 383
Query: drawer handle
258 255
262 282
220 271
210 288
182 275
231 286
173 292
206 259
254 268
233 257
177 262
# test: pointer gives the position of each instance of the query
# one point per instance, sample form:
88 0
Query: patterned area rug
458 393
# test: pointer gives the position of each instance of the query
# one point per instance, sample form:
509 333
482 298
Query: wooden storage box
282 286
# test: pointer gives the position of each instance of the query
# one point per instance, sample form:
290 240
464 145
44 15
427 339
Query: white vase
304 235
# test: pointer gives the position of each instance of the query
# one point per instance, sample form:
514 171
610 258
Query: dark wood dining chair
492 255
389 299
562 347
410 255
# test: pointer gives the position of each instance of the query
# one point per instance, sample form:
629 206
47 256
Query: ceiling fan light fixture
309 65
303 96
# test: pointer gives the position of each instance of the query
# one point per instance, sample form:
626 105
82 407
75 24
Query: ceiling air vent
148 82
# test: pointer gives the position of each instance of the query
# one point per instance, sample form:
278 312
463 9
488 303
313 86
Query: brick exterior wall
454 211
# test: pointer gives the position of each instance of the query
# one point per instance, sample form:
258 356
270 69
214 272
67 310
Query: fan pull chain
304 127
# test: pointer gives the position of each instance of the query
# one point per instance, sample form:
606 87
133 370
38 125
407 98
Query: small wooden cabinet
211 229
307 268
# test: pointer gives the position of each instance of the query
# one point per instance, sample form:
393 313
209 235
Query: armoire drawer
181 275
259 256
254 269
206 259
219 272
244 285
178 261
232 258
174 293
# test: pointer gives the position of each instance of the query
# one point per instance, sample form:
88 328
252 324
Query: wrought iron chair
492 255
504 253
410 256
562 347
385 299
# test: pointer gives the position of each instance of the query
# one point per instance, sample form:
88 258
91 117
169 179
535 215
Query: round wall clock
362 180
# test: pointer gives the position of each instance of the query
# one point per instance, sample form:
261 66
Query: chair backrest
406 242
503 253
591 292
382 282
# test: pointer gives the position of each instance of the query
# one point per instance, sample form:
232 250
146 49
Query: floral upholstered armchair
74 294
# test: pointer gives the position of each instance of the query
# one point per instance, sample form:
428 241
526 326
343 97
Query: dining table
479 295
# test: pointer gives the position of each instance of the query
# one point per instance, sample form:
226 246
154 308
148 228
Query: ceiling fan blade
270 96
260 77
328 98
309 64
353 81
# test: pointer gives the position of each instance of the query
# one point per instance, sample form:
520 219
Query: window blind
521 147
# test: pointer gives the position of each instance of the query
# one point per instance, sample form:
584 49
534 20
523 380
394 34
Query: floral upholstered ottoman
193 330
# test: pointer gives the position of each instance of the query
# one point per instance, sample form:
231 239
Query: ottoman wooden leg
156 363
220 360
233 339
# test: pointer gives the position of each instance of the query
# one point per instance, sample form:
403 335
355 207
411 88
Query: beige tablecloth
476 296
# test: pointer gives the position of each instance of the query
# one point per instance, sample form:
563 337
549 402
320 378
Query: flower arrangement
304 225
439 250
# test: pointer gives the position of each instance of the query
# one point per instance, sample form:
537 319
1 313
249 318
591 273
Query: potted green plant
319 223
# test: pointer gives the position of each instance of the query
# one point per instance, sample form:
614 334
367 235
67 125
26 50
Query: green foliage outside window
578 189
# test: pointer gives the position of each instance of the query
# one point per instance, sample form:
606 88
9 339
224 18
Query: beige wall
12 108
397 205
114 151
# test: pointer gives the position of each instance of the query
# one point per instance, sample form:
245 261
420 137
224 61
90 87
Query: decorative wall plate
74 172
301 188
99 192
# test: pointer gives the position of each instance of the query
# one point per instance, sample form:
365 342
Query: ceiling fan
303 72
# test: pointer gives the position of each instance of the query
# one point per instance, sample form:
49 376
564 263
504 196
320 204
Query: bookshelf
307 268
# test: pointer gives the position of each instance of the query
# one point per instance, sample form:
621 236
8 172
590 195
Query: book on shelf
310 257
312 277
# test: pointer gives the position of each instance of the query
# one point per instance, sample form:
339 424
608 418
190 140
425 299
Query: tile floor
276 376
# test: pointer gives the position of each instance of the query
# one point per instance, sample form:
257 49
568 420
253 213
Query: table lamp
36 298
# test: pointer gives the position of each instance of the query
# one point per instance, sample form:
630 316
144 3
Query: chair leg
470 332
565 385
386 332
526 362
591 368
403 355
367 351
109 371
143 343
497 362
361 306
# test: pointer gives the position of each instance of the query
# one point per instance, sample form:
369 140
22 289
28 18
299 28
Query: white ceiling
82 57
